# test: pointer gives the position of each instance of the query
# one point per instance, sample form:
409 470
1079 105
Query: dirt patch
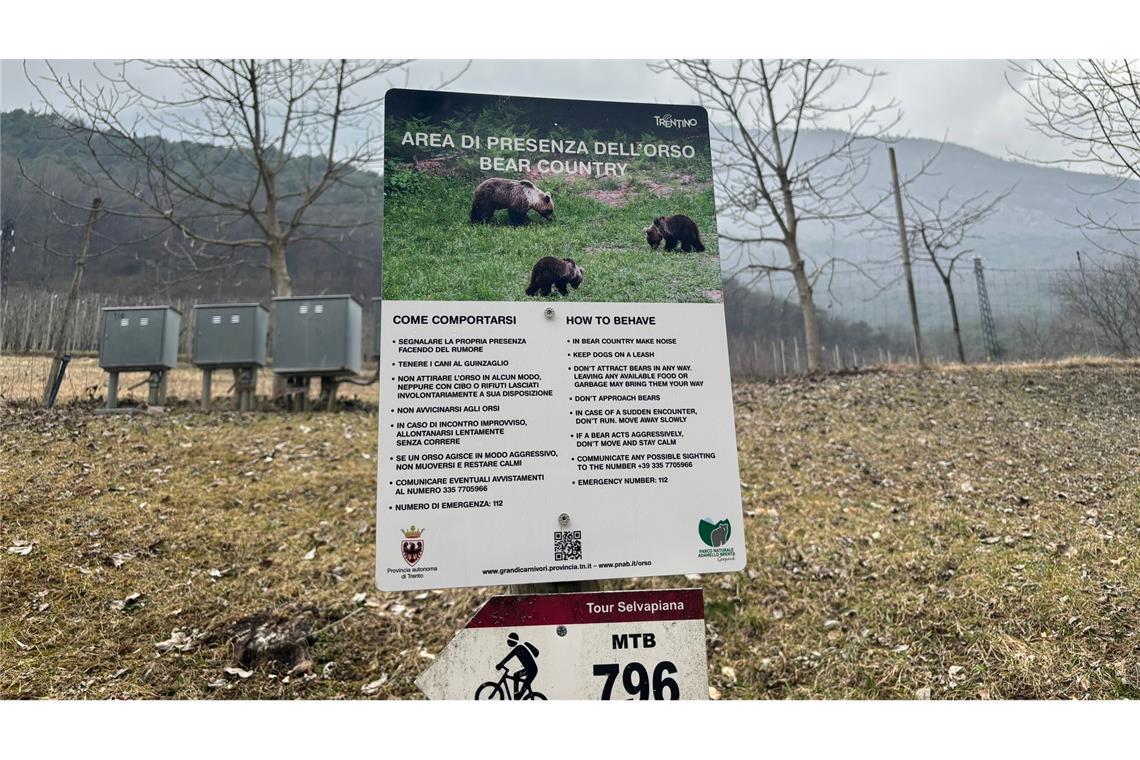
716 296
615 198
272 638
437 167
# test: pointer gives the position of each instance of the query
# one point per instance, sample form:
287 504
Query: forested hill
1034 227
1031 230
143 263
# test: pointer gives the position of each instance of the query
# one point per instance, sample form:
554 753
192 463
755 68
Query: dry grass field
965 533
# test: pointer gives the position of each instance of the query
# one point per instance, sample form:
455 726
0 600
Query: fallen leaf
374 686
179 641
118 559
128 603
239 672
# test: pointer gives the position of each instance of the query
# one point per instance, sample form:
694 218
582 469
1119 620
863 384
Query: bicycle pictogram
514 685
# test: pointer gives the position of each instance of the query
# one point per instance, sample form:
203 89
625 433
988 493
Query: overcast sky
967 102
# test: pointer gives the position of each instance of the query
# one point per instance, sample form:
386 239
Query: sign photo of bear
555 398
616 645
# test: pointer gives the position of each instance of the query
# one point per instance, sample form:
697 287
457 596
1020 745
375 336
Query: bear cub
518 197
550 272
673 230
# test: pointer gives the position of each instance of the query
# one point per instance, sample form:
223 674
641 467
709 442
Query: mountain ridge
1033 228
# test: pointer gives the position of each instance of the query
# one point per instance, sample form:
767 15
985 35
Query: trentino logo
672 122
412 545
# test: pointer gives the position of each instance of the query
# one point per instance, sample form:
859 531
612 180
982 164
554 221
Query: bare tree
767 181
63 331
941 232
1093 107
283 133
1107 299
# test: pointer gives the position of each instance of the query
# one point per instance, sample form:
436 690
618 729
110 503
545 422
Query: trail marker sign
628 645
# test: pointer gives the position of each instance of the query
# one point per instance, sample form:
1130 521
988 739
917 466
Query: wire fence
865 319
864 315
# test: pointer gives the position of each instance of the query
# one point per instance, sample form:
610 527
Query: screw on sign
631 645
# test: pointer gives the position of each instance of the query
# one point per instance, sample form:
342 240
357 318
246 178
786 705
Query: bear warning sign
555 402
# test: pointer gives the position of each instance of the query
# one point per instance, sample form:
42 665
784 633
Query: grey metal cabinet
230 335
316 335
137 338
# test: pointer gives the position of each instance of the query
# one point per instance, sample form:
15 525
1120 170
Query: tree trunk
282 286
812 345
62 336
280 281
954 319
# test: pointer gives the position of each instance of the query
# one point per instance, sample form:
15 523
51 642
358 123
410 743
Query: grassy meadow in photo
432 251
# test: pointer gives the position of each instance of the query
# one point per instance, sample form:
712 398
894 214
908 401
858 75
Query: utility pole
906 260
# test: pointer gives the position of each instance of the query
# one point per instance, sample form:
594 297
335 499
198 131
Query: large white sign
555 400
628 645
596 442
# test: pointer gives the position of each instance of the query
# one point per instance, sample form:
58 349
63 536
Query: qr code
567 545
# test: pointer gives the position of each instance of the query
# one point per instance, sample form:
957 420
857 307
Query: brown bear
550 272
517 197
653 236
673 230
